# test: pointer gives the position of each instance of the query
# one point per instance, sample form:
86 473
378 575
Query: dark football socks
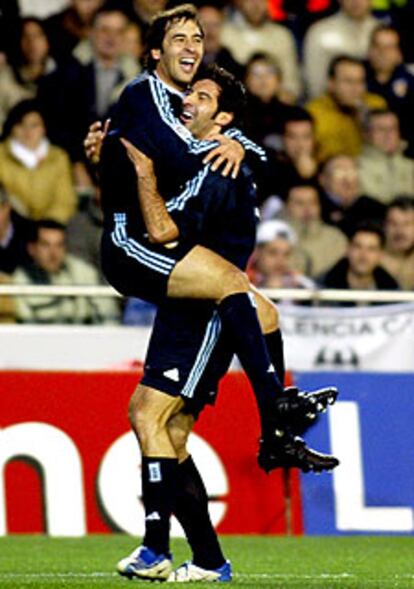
238 315
274 344
159 486
191 510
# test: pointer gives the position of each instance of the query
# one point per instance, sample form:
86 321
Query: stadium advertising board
79 419
70 466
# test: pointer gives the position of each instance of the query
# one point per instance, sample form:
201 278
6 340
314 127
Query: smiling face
200 109
181 53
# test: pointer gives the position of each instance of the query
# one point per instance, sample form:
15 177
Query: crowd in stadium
330 95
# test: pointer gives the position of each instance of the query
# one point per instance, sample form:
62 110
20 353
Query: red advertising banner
70 464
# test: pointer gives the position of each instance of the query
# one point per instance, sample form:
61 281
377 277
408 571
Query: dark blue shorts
136 267
188 353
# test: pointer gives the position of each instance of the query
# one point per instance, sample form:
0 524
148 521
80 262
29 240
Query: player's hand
229 152
144 166
94 140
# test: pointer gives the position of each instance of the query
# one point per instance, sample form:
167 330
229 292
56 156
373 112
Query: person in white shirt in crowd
384 170
347 32
272 260
51 265
41 8
251 31
398 258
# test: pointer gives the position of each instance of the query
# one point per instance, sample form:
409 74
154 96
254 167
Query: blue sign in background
386 420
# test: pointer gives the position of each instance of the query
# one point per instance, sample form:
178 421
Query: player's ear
156 54
224 118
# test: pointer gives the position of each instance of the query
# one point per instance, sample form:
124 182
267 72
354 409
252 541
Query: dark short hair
297 114
377 112
384 28
368 227
108 8
44 224
261 56
338 60
232 98
304 183
18 112
403 202
159 27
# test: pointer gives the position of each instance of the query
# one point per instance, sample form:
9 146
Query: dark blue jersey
220 214
146 116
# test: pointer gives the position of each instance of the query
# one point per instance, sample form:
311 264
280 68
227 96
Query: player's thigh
203 274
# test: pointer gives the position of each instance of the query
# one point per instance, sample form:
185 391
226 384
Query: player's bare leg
203 274
149 412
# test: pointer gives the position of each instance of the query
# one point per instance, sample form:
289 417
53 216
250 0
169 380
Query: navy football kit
184 356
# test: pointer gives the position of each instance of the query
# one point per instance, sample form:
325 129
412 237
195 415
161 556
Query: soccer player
132 262
222 217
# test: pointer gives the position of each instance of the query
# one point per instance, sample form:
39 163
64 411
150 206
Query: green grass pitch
271 562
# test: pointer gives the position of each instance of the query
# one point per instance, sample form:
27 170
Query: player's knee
233 281
179 440
142 420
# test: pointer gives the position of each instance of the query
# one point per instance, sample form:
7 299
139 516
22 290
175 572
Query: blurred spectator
398 257
388 76
133 43
41 8
272 265
343 204
345 33
212 18
265 112
141 12
36 174
339 113
80 93
323 244
84 230
50 264
252 31
300 14
11 92
34 60
296 161
384 171
14 233
360 269
67 28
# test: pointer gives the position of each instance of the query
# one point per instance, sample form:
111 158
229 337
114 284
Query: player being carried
138 267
